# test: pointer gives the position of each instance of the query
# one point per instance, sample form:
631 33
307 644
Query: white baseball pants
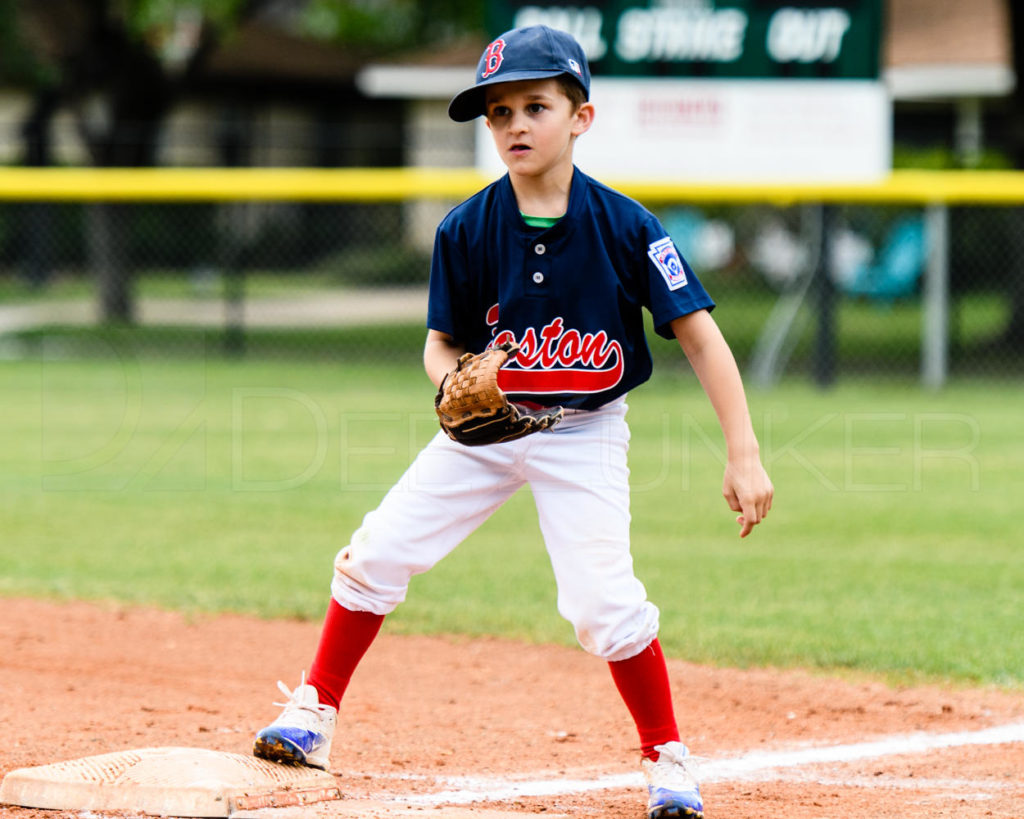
579 478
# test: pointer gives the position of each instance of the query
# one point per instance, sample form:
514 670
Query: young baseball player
555 269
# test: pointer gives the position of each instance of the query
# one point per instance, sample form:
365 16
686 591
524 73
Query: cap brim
469 103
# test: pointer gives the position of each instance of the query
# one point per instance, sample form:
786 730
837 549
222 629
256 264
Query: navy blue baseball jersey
571 295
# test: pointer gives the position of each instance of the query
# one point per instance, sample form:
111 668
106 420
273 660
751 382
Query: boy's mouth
519 148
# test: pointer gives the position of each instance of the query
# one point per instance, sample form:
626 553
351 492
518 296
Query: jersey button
539 249
538 277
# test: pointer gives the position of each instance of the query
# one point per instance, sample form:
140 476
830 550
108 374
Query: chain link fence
805 290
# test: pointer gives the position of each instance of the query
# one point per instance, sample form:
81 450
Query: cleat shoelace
676 768
298 713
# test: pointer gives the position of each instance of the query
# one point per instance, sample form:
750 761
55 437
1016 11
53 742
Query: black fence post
235 144
823 363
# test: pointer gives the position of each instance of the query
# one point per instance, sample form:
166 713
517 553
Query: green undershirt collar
540 221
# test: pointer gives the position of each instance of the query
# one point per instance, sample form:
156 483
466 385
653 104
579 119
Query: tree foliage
390 25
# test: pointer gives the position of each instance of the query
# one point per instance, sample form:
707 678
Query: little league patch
666 258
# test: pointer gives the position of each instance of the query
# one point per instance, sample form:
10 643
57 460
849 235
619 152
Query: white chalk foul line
890 746
747 766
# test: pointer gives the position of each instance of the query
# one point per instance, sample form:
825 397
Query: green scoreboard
734 39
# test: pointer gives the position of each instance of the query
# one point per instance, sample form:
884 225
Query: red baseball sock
643 684
343 641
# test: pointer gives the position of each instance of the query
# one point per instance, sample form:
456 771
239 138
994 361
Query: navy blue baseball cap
531 53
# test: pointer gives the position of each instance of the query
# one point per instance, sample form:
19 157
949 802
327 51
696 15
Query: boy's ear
583 119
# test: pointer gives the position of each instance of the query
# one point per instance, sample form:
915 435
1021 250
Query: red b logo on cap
492 58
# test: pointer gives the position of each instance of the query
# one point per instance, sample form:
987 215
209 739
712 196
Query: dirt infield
435 723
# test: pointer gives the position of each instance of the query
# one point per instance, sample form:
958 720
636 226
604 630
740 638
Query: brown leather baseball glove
474 411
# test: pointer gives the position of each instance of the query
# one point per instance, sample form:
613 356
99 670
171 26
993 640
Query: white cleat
671 783
302 734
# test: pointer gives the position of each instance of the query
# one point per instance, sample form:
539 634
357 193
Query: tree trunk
139 98
108 255
39 233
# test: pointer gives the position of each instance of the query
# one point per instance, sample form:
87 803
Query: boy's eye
499 111
535 107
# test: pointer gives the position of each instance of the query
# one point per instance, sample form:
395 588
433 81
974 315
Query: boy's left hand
748 490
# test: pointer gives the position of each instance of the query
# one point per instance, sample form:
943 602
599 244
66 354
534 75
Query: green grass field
217 485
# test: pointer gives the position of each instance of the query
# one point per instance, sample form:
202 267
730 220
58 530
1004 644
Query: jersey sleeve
444 309
674 289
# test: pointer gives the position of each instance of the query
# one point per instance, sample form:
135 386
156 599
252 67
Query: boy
553 261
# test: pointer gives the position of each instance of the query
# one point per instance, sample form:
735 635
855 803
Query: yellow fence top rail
398 184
